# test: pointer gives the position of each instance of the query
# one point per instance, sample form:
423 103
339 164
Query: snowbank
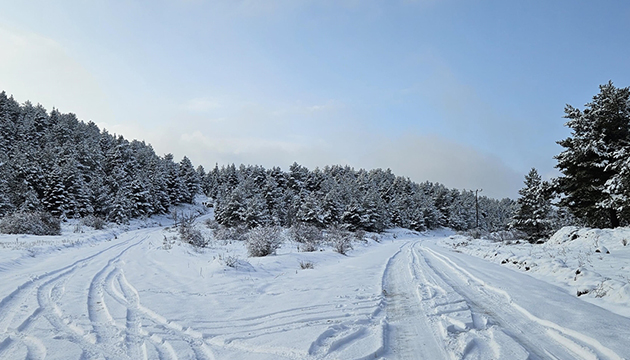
592 264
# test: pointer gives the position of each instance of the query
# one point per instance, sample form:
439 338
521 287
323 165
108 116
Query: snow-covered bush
307 265
506 235
263 241
211 223
187 232
167 243
308 237
230 233
475 233
34 223
93 221
228 260
360 235
193 236
340 239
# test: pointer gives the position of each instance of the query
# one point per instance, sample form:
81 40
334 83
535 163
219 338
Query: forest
54 164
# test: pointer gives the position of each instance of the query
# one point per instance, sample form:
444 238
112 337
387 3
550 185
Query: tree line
54 163
252 196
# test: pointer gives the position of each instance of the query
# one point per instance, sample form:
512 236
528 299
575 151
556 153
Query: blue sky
466 93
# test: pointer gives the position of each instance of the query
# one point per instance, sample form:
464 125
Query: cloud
33 67
437 159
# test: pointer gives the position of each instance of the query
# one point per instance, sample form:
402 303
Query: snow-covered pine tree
534 206
175 187
190 179
590 161
310 211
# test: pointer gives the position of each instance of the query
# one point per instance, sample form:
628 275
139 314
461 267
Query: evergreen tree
190 179
534 206
591 161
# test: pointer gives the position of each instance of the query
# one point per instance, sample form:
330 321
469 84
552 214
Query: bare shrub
193 236
228 260
308 237
360 235
230 233
33 223
187 232
94 221
307 265
375 238
475 233
340 239
263 241
506 235
212 224
167 243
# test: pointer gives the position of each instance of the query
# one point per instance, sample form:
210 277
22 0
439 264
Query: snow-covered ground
593 264
127 294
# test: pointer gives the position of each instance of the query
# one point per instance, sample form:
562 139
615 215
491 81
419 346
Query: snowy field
126 293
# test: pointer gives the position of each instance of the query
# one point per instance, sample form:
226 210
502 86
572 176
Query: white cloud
441 160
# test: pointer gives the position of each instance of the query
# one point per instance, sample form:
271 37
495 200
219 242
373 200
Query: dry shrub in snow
212 224
193 236
228 260
307 236
307 265
360 235
93 221
263 241
34 223
506 235
187 232
230 233
340 239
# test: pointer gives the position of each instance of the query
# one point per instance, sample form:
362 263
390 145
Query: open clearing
408 297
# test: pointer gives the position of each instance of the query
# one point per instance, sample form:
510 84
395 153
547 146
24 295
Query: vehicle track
103 337
36 288
541 338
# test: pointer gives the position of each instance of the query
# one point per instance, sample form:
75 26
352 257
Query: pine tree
590 163
534 206
310 211
190 179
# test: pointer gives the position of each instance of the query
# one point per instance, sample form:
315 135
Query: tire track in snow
10 304
136 337
569 343
164 348
106 339
409 332
466 332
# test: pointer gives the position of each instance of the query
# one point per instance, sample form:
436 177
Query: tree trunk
614 220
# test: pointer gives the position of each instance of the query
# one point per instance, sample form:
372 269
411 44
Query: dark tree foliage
594 162
251 196
57 164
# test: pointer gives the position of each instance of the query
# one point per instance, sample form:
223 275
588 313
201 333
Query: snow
593 263
125 293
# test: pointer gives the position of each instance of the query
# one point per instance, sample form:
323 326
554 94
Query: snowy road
128 298
473 309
